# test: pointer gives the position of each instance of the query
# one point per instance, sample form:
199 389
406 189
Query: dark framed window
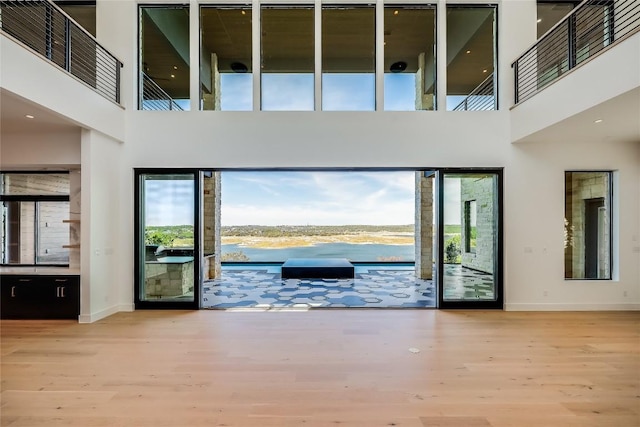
164 57
472 34
470 225
35 218
167 243
588 225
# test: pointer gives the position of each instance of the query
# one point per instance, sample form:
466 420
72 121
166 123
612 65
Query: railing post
516 81
118 67
48 31
67 45
573 56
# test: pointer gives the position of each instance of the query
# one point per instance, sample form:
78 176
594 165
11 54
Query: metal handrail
479 99
48 31
589 29
153 97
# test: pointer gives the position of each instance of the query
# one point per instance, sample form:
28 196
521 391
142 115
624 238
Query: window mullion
379 55
317 75
256 54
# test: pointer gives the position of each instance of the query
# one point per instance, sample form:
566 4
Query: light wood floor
324 368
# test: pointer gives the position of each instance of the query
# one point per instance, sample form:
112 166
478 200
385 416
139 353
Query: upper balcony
58 67
584 69
48 31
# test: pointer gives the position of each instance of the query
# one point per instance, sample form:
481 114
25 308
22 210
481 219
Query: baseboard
571 307
94 317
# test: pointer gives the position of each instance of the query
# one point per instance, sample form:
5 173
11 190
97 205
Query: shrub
452 250
234 256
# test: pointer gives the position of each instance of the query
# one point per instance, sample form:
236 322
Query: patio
255 286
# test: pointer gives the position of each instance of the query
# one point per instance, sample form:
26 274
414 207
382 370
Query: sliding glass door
167 247
470 239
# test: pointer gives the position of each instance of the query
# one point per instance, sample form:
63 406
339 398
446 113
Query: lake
354 252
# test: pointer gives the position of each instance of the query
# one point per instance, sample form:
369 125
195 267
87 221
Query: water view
353 252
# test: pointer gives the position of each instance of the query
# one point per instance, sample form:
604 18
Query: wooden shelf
71 246
71 221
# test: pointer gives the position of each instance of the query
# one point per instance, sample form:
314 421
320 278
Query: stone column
212 101
424 226
424 101
211 226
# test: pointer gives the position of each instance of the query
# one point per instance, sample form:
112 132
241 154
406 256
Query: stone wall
165 280
211 226
424 101
482 190
424 226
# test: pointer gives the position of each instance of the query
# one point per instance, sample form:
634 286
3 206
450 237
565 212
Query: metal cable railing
591 27
50 32
153 97
480 99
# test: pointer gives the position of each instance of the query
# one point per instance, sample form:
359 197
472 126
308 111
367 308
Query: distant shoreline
281 242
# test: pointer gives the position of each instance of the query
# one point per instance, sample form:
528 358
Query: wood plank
324 368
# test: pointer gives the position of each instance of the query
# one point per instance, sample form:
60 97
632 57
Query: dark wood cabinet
39 297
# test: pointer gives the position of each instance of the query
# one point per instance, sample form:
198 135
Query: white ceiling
13 112
620 122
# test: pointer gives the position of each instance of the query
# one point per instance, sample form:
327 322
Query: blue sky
168 202
300 198
340 92
317 198
295 92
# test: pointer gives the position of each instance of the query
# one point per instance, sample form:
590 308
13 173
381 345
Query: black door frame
139 240
498 303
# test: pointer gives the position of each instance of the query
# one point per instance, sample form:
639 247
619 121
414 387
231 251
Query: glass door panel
167 262
470 253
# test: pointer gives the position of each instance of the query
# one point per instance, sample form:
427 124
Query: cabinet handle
13 292
60 292
24 280
61 280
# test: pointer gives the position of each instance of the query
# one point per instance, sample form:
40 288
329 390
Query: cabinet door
10 303
63 298
21 296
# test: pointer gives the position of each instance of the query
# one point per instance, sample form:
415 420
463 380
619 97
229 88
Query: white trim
94 317
571 307
441 57
256 53
379 56
195 56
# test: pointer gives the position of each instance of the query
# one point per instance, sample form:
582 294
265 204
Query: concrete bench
318 268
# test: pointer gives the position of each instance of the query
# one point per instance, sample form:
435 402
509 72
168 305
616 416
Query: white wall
34 78
101 240
59 148
612 73
534 211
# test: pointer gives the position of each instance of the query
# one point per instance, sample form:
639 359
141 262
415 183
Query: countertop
45 271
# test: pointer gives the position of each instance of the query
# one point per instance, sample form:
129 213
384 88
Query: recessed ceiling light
484 71
395 12
173 76
175 67
468 51
29 116
598 121
243 12
539 20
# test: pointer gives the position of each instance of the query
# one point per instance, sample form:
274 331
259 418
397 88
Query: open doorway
366 217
